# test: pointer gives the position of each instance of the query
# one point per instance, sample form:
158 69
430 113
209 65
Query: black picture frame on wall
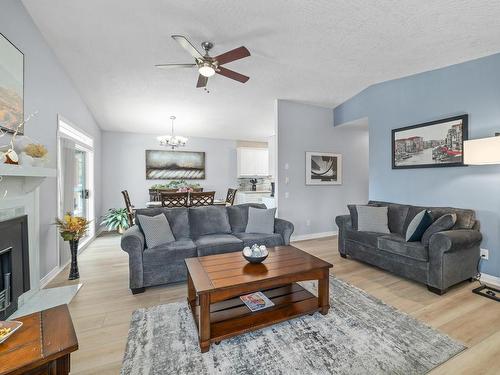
434 144
6 91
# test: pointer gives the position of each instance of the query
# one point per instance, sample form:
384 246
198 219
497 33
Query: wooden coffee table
216 282
42 345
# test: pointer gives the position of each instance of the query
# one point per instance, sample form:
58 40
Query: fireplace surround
14 263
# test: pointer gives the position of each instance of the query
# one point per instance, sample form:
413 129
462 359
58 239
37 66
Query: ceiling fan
207 65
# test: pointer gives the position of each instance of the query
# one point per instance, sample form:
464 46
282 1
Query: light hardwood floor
101 310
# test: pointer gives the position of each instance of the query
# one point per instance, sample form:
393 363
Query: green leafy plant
116 219
176 184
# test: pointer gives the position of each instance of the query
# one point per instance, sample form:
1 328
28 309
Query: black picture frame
460 161
7 129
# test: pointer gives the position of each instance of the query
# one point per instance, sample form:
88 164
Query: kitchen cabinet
253 162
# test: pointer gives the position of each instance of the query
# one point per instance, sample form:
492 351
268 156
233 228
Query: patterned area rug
360 335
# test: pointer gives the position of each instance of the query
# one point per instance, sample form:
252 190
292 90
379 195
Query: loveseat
450 256
198 231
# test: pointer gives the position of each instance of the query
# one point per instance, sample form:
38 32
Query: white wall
124 166
48 90
304 128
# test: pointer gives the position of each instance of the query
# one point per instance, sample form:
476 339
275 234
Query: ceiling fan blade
170 66
235 54
202 81
187 46
232 74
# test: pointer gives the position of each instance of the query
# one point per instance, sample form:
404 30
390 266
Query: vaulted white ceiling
320 52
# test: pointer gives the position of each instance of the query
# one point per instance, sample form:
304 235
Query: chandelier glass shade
172 140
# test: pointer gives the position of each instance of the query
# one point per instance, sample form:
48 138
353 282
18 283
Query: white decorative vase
25 159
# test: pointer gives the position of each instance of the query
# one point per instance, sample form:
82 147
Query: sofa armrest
453 240
133 243
344 223
453 257
285 228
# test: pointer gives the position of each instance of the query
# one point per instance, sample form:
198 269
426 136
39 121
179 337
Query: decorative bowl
255 260
256 254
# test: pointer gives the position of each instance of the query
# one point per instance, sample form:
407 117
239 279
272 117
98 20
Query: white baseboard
312 236
48 277
490 279
56 270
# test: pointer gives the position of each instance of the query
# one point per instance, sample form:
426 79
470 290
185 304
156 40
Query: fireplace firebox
14 263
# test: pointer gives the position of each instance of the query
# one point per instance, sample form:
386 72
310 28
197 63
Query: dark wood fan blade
202 81
235 54
184 43
170 66
232 74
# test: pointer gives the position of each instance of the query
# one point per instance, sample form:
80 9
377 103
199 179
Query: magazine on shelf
256 301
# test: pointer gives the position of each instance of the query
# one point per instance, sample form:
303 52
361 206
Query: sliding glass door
75 180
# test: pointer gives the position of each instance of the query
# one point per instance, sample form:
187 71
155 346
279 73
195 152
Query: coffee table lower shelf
232 317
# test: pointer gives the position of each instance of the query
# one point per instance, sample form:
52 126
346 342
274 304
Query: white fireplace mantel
19 195
30 177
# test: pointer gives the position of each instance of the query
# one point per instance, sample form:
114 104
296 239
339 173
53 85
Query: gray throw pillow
445 222
373 219
156 230
260 220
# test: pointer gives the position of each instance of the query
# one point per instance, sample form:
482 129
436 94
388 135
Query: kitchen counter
255 192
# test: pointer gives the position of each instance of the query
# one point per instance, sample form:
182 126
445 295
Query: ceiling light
206 70
172 140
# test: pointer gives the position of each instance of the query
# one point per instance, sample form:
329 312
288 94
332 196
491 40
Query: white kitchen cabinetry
253 162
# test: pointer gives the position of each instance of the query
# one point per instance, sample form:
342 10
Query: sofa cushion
217 244
238 215
396 244
208 220
177 218
466 219
372 219
169 253
156 230
364 238
397 214
269 240
260 220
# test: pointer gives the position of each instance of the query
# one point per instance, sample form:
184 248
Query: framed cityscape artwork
323 168
432 144
11 87
172 165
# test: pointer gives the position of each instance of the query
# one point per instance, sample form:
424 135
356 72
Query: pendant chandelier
172 140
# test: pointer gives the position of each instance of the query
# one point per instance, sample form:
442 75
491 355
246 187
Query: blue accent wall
472 87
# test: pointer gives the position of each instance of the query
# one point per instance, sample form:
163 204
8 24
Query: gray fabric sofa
198 231
451 256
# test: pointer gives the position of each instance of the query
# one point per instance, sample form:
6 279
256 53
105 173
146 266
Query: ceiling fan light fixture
206 70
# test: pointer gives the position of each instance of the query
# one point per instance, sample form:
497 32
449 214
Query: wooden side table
42 345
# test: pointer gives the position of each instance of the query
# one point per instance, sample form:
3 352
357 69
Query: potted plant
72 228
116 219
34 154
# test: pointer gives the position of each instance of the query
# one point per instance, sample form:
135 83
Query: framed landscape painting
437 143
11 87
171 165
323 168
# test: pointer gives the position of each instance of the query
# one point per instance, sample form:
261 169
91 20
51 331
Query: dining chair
231 194
174 199
129 207
205 198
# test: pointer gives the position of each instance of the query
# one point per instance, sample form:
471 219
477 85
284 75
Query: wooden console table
42 345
